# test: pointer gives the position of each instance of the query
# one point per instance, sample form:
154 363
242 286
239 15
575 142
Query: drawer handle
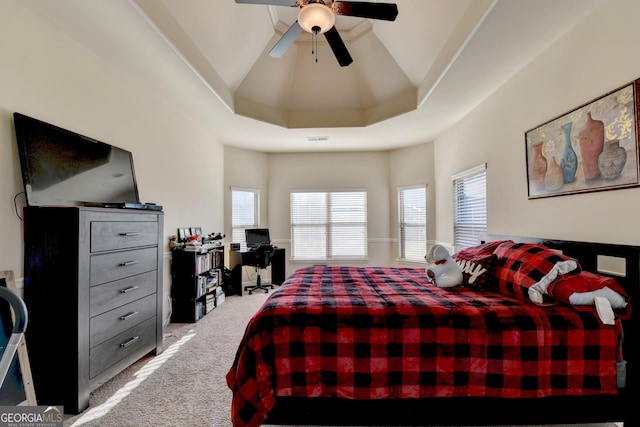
128 263
128 316
130 234
129 289
128 342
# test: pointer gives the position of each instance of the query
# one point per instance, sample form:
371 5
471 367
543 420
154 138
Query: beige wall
245 169
595 57
326 171
411 166
182 166
46 75
380 173
562 78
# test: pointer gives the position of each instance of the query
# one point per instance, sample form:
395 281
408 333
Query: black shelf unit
196 283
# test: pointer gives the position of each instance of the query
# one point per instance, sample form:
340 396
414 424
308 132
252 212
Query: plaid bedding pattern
526 269
373 333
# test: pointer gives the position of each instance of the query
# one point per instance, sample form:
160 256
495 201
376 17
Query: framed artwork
183 234
592 148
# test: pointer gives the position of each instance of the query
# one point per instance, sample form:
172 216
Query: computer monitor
256 237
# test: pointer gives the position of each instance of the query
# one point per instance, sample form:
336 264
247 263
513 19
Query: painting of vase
591 140
611 161
569 162
538 167
554 178
591 148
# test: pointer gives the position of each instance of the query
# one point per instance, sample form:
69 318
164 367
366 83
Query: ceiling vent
317 138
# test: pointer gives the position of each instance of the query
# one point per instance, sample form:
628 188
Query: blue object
569 162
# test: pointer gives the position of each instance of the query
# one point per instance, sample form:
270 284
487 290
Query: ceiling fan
318 17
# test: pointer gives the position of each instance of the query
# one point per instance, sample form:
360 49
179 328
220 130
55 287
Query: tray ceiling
409 81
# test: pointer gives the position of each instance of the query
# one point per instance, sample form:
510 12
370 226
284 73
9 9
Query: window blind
412 218
469 207
244 212
329 225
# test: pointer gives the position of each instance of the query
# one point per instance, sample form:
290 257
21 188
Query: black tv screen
255 237
64 168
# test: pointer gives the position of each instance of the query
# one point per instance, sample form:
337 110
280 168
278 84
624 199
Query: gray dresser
93 289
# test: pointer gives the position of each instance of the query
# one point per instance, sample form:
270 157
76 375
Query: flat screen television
64 168
255 237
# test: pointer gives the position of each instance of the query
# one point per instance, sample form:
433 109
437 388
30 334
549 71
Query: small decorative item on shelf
190 239
194 240
193 244
183 234
213 239
173 242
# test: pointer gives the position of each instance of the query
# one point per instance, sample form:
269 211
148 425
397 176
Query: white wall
46 75
328 171
380 173
180 165
411 166
592 59
245 169
595 57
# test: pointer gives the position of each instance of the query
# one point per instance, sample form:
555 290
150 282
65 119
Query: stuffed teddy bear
444 271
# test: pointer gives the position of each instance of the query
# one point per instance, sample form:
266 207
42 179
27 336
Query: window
469 207
244 212
329 225
412 222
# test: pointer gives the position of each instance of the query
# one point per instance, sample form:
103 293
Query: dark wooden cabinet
93 290
196 283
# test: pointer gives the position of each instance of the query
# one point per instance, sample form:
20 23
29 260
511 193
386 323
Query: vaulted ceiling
410 79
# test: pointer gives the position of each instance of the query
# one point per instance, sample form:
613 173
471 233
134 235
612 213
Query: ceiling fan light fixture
316 15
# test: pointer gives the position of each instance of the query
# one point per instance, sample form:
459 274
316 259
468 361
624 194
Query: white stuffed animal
444 274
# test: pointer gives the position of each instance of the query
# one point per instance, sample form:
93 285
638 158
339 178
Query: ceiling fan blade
361 9
285 41
338 47
270 2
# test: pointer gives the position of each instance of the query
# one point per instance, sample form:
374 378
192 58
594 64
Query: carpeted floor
184 386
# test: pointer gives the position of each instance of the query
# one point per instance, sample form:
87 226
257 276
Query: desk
238 259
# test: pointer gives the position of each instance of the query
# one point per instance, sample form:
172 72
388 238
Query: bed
384 346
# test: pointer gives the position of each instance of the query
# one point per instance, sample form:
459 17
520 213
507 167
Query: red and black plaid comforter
373 333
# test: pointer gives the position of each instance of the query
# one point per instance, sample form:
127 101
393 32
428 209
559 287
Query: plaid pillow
526 269
478 264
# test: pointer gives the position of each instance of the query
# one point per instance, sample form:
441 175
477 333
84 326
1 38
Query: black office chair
263 255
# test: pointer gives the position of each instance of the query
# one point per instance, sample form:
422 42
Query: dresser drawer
120 319
118 265
117 348
107 235
110 295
